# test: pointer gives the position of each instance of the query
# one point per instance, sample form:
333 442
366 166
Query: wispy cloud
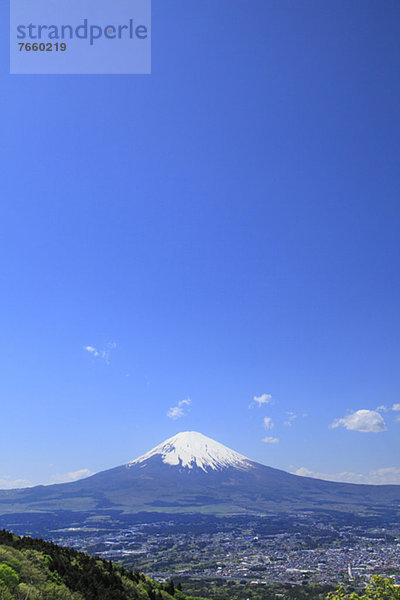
261 400
268 423
386 475
176 412
71 476
8 483
382 408
270 440
102 354
291 417
396 407
92 350
366 421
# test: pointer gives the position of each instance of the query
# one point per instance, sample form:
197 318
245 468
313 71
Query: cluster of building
345 555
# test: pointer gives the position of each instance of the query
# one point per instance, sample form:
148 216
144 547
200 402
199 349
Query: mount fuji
191 473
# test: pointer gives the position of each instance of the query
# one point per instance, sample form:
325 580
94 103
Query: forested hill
32 569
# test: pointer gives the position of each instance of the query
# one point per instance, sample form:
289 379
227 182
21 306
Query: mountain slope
192 473
35 569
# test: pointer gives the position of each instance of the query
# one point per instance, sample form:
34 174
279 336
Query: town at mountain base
33 569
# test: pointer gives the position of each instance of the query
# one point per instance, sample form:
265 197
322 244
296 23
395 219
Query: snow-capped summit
190 449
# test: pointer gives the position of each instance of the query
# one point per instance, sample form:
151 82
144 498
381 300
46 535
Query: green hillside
32 569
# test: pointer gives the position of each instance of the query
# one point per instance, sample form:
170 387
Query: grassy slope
33 569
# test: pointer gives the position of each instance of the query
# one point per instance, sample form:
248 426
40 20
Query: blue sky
223 229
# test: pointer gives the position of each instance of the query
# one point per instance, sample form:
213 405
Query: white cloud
270 440
7 483
71 476
292 416
260 400
361 420
185 402
304 472
176 412
382 408
268 423
104 353
386 475
396 407
91 350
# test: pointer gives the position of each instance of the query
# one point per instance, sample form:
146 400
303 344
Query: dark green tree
380 588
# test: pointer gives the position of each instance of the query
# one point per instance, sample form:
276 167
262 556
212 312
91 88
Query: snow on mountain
191 449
